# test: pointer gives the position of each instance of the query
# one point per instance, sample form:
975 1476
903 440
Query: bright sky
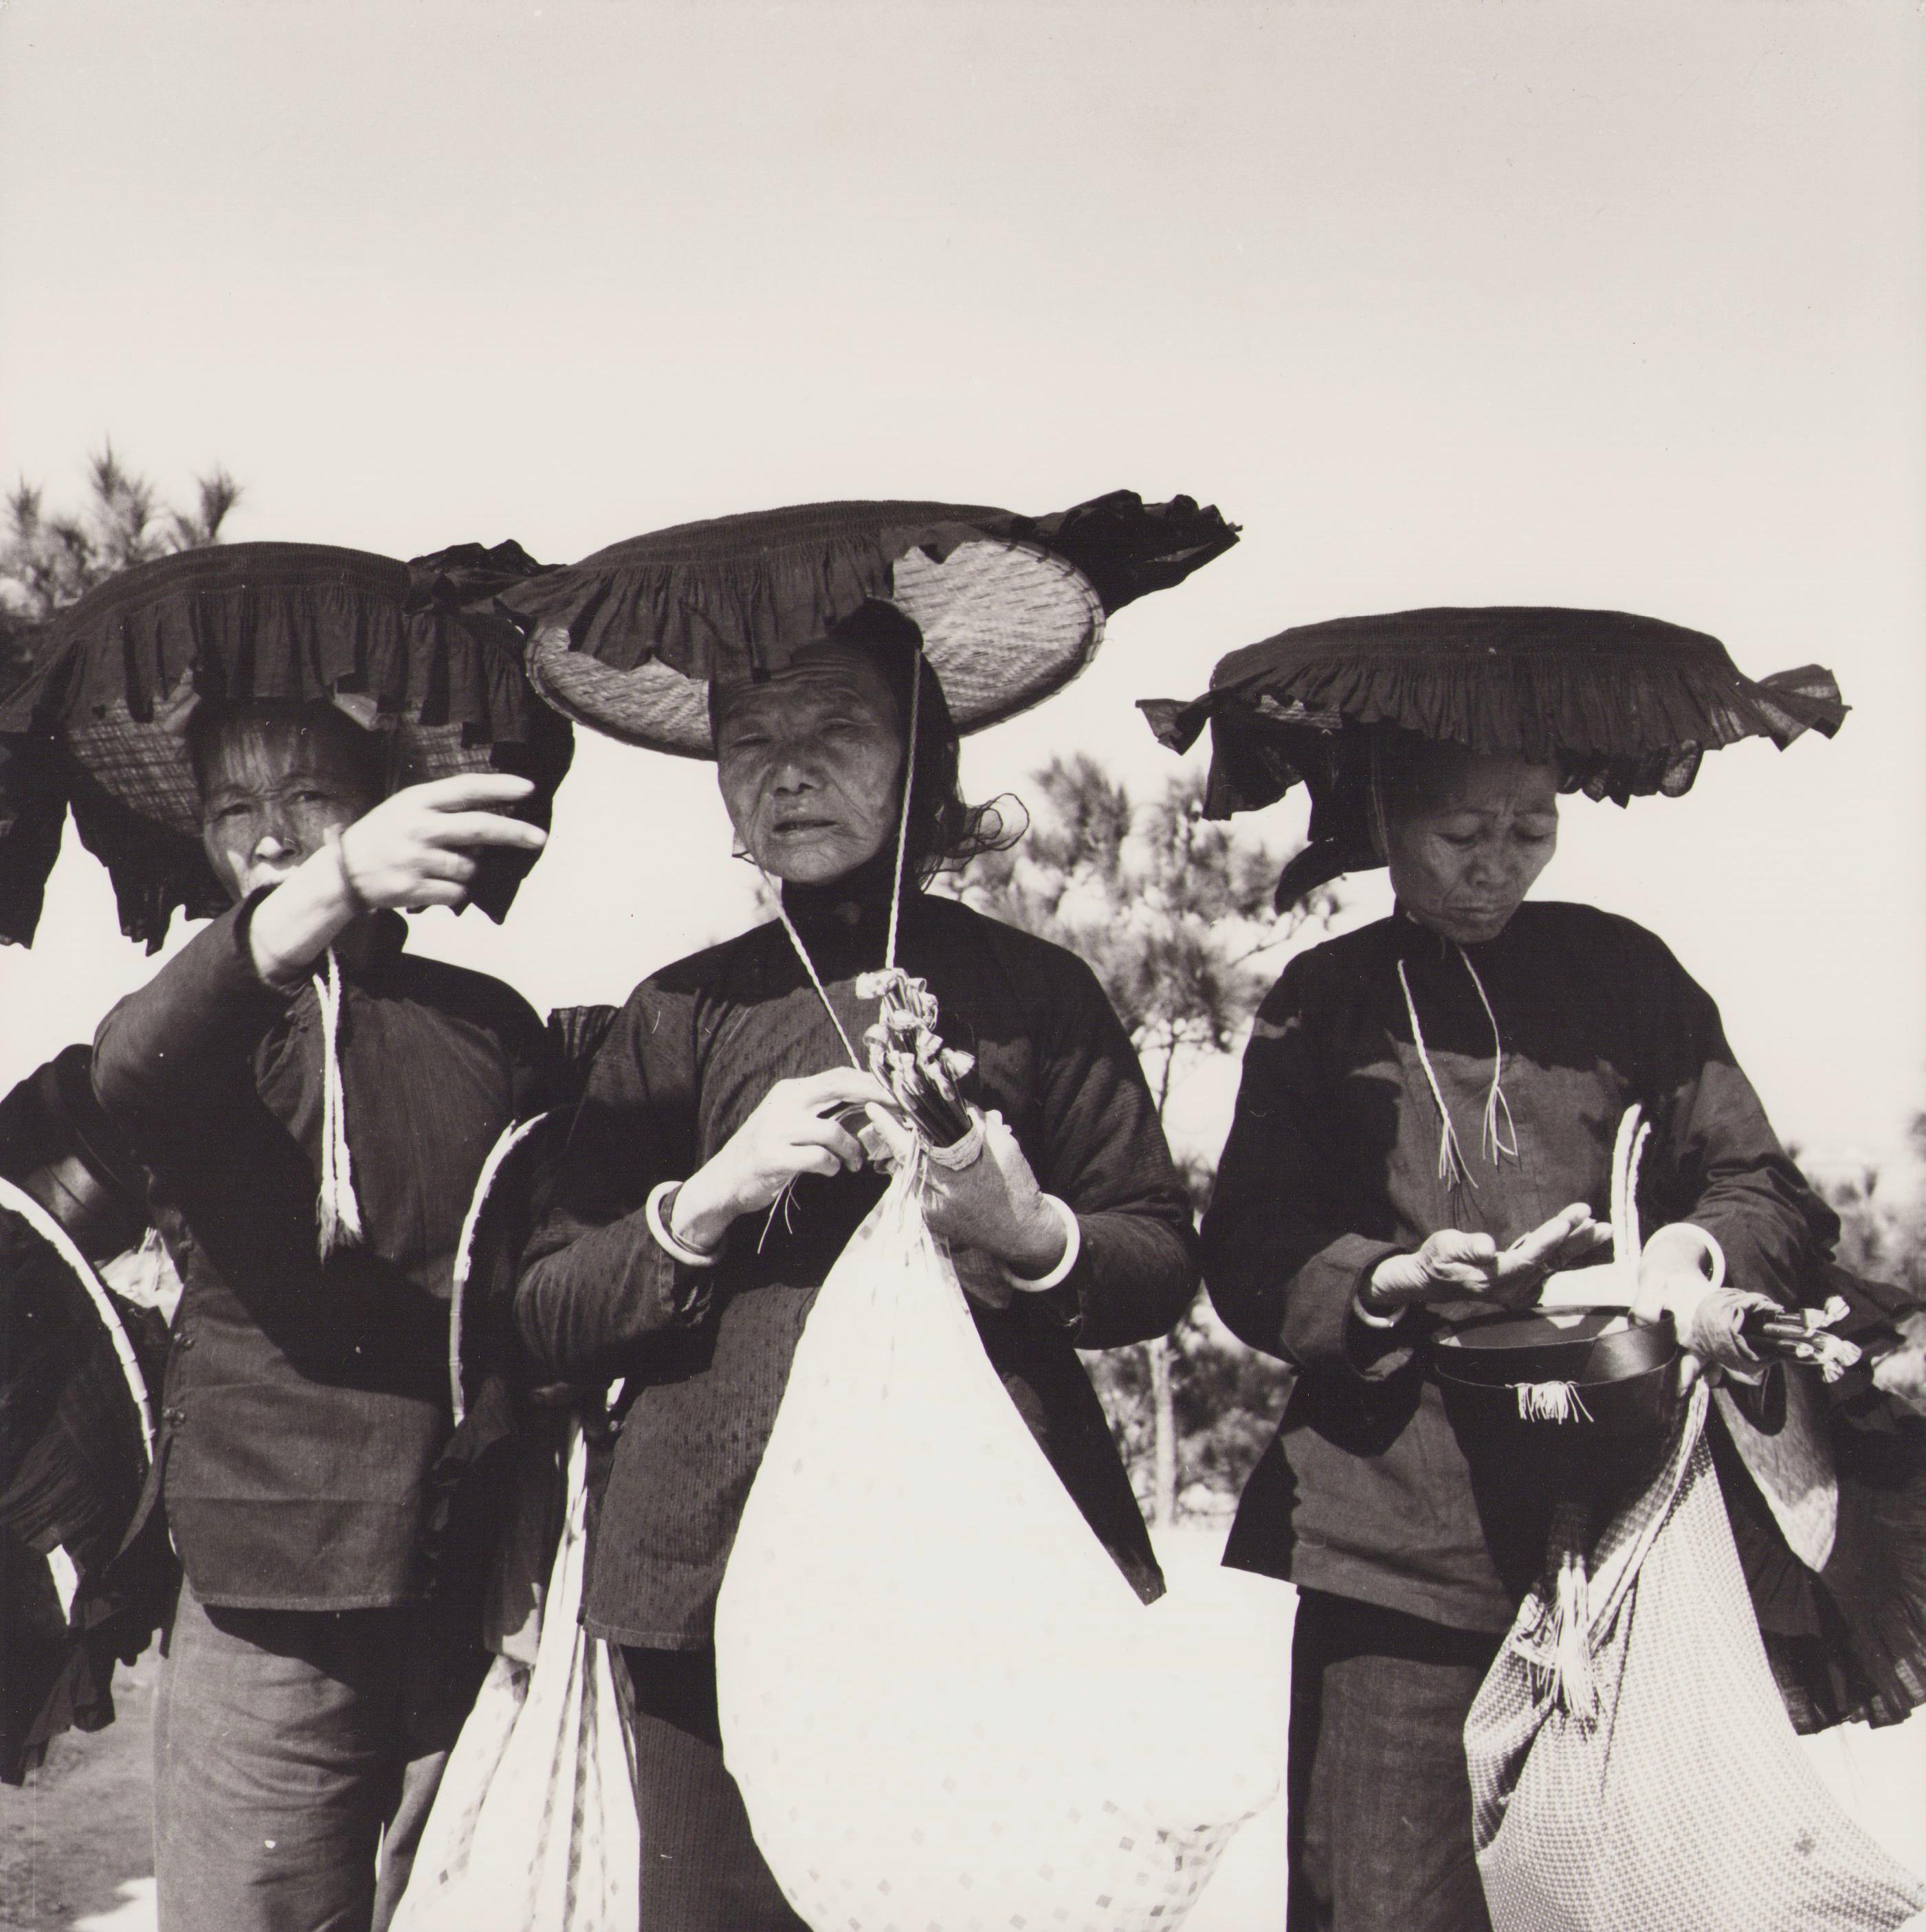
1617 304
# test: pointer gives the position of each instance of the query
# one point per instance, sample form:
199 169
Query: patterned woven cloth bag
944 1706
1633 1768
534 1827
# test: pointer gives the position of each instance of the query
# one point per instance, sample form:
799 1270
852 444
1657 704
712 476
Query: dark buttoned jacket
306 1401
706 1353
1332 1164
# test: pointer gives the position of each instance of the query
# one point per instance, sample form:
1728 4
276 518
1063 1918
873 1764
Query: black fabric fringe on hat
698 595
419 643
1625 706
289 621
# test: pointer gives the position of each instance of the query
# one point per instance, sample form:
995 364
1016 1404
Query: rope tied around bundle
1801 1335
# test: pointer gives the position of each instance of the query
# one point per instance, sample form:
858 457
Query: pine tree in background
1173 912
47 560
1882 1228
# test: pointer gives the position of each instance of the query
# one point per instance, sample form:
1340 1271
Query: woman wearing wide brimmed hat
99 726
312 738
827 658
1426 1128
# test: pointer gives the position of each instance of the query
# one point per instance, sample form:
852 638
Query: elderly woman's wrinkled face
271 791
810 764
1467 837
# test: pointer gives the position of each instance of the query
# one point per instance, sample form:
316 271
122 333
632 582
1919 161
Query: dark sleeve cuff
227 967
678 1295
240 945
1133 1277
582 1308
1376 1349
1320 1327
183 1032
1062 1307
1767 1268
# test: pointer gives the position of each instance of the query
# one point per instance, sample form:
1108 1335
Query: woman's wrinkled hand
1682 1273
1711 1334
794 1131
992 1207
417 848
1454 1266
982 1278
412 850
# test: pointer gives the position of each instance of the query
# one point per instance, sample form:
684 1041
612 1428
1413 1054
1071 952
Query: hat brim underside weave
1004 625
417 647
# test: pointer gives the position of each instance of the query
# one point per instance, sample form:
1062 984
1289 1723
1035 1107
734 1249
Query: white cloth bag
534 1828
1669 1791
944 1706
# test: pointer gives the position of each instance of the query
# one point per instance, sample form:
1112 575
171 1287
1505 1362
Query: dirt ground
79 1831
76 1854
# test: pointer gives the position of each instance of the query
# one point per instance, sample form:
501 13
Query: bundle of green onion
906 1055
1799 1335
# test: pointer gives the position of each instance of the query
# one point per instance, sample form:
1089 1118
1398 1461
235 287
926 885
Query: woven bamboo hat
52 1119
414 651
1623 706
1010 608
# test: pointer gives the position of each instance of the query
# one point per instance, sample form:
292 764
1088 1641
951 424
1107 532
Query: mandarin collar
852 908
1417 941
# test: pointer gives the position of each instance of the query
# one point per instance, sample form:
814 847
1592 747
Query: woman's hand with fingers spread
793 1131
1452 1265
1570 1239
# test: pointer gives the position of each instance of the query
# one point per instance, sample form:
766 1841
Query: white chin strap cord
896 886
1498 1141
780 1204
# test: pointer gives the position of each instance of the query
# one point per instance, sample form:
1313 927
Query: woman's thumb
900 1140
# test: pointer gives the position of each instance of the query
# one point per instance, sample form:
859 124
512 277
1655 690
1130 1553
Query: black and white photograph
962 966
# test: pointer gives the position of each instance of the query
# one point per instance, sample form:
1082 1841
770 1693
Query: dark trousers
292 1768
1380 1798
701 1870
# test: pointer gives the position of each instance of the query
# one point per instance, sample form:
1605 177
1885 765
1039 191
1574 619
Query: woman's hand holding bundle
991 1210
1682 1273
794 1130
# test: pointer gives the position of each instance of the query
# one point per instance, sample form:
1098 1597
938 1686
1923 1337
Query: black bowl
1587 1371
